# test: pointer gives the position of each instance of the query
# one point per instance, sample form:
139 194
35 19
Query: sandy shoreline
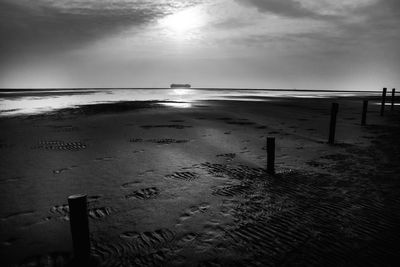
187 186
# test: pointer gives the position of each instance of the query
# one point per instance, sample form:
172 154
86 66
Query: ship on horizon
180 85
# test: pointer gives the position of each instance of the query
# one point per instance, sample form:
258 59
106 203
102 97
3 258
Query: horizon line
191 88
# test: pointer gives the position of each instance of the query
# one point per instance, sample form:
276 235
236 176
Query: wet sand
188 186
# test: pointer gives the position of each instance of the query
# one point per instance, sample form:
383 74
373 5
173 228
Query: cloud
383 12
378 23
309 40
55 25
347 23
317 9
287 8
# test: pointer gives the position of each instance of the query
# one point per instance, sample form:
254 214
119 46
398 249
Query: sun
183 22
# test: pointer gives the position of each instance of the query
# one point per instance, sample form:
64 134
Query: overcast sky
313 44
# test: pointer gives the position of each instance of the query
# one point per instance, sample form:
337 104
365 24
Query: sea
14 102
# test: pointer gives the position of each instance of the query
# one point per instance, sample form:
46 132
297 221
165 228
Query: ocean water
27 102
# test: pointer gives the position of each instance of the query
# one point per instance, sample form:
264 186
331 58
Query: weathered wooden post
383 101
332 127
78 215
393 96
364 113
271 155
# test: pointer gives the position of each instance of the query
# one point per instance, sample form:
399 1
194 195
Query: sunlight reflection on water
177 104
182 91
41 101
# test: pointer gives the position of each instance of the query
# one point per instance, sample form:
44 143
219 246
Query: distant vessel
179 85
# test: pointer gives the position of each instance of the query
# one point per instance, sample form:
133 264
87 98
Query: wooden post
364 112
383 101
78 215
332 127
271 155
393 95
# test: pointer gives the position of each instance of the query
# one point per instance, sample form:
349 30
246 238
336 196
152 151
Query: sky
291 44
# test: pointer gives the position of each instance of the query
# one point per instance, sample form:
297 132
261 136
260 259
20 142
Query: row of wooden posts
78 203
332 127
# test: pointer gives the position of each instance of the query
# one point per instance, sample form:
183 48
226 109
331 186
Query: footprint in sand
143 194
51 259
99 213
183 176
192 211
60 145
62 211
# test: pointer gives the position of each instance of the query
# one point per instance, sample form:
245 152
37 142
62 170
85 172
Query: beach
174 183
